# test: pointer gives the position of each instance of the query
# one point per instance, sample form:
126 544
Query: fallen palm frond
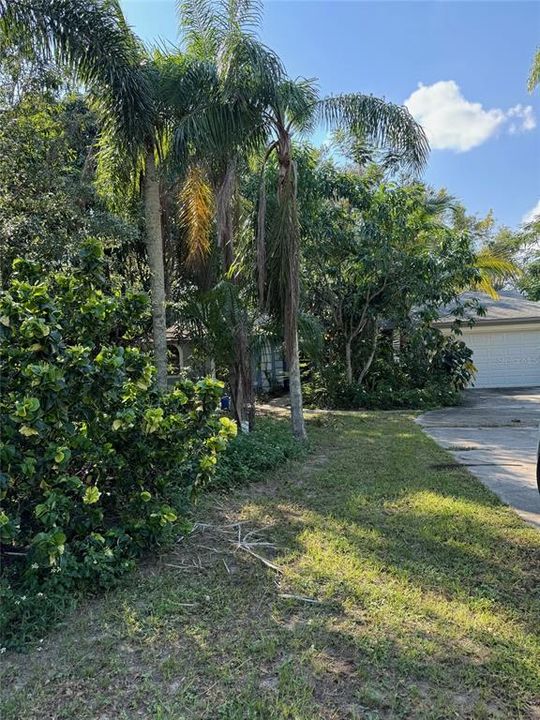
301 598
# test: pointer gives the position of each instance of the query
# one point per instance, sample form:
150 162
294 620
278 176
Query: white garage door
505 359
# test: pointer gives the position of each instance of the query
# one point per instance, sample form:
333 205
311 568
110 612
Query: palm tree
182 90
296 107
223 34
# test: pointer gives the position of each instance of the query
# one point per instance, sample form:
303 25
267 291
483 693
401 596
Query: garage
505 342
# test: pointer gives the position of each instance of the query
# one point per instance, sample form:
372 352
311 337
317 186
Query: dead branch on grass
302 598
248 542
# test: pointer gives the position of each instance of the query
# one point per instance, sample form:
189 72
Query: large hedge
97 466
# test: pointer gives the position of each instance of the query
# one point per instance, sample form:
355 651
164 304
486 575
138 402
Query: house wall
505 355
268 371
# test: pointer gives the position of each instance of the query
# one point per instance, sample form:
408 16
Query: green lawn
415 595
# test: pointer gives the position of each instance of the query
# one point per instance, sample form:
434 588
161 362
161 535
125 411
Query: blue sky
472 59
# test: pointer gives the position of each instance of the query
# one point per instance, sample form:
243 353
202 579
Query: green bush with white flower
97 466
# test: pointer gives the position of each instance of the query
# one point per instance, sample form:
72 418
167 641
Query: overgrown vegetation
250 456
404 590
97 466
144 189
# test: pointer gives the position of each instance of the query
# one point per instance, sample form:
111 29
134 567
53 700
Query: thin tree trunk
291 251
295 389
348 360
261 243
154 248
240 372
224 216
371 357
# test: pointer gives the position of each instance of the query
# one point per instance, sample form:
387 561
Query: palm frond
196 214
296 103
248 70
91 39
382 123
199 24
241 16
534 75
494 270
496 264
311 335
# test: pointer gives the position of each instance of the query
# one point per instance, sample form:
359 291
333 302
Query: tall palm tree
297 107
223 34
182 90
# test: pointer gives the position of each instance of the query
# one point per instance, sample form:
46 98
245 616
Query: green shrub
249 455
97 466
346 396
430 371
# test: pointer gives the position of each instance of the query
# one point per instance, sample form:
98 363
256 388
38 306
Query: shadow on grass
426 588
458 574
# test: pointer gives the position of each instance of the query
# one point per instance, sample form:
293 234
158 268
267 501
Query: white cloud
533 212
452 122
521 119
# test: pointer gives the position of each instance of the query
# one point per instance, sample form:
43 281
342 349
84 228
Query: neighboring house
180 347
269 371
505 341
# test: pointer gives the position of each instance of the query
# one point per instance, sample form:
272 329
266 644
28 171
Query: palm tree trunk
154 248
240 371
295 388
224 216
291 256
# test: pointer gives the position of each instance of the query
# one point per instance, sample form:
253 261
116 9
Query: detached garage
505 342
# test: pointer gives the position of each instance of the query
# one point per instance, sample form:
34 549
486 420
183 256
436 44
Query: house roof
510 308
177 333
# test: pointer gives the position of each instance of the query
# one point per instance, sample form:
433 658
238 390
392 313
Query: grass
403 589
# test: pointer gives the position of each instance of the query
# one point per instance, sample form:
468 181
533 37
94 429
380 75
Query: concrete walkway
495 434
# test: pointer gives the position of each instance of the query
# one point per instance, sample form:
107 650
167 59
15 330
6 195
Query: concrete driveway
495 434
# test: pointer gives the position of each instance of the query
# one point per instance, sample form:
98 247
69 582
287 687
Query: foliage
530 282
97 465
92 40
39 213
406 591
429 371
522 248
351 396
380 260
48 203
534 74
267 447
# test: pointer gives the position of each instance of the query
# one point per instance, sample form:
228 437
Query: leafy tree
379 260
47 144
